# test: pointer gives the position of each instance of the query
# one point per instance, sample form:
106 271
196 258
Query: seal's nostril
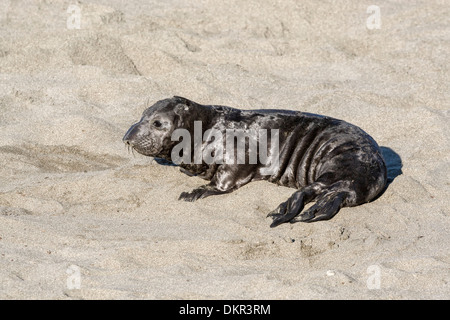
130 135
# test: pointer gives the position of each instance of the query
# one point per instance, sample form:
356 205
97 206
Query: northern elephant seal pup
329 161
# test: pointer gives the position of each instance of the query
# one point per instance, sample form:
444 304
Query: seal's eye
157 123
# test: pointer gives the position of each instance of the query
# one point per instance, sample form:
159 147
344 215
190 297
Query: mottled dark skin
329 161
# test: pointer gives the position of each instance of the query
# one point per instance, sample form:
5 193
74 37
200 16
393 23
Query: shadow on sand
393 163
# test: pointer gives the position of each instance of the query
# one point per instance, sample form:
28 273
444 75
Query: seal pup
329 161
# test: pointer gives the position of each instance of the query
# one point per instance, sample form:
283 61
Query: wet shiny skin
328 161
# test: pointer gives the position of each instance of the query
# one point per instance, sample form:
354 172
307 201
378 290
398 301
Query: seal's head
151 136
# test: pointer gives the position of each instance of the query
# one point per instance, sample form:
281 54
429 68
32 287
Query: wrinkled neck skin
186 119
210 117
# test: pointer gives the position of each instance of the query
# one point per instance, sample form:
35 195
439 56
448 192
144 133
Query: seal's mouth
135 141
142 146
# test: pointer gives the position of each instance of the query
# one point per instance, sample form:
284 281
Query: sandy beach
81 217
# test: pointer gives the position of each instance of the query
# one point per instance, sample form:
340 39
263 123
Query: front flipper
226 179
187 172
201 192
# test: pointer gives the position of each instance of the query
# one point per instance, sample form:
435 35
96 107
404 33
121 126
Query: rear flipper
289 209
325 208
329 199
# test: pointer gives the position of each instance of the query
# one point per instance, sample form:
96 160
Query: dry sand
74 202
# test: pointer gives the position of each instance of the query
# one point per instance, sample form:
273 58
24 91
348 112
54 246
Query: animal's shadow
393 163
164 162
